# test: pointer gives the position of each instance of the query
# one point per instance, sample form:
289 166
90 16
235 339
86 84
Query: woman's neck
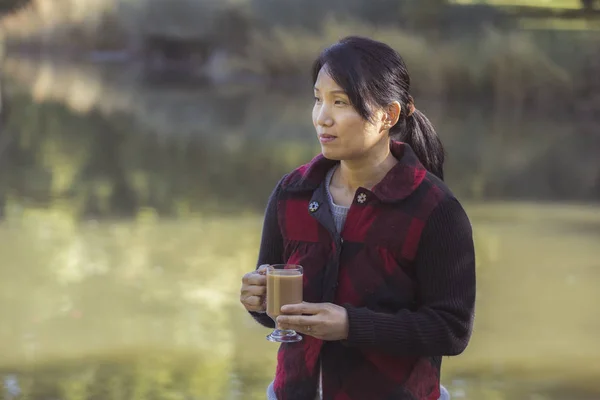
366 172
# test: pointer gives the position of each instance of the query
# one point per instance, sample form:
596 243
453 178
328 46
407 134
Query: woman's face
342 131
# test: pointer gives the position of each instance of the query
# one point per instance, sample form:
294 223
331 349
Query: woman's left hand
323 321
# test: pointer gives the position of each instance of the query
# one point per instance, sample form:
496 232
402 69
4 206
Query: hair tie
411 106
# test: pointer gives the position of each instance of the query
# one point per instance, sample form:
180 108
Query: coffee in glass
284 286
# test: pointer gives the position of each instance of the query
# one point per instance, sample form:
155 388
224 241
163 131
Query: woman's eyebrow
335 91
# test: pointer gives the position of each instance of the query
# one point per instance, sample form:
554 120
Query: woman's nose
324 117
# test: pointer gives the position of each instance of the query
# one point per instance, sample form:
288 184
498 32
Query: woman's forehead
326 83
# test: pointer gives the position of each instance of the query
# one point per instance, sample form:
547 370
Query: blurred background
140 139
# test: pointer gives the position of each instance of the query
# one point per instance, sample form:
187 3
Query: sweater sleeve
445 274
271 246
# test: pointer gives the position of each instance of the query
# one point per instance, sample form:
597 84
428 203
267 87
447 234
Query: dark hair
375 75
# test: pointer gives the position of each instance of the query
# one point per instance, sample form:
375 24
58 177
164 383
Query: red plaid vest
368 269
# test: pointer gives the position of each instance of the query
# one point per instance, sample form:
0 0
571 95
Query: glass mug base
283 336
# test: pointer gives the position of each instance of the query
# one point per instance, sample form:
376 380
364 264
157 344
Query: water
131 211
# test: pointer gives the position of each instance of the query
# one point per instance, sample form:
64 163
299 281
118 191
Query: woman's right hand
254 290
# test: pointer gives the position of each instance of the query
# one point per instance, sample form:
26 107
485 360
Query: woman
387 250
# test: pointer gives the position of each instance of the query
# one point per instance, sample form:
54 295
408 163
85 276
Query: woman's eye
340 102
317 99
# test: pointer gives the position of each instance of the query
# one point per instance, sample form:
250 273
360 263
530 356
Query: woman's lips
326 138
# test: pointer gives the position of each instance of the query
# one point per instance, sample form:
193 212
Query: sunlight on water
151 306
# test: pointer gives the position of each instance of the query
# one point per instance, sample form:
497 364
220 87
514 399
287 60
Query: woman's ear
392 114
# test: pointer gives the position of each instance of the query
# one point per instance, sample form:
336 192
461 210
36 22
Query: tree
6 7
587 5
10 6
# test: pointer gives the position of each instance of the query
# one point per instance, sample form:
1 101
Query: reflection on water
129 214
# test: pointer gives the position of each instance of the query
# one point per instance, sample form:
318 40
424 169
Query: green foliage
10 6
176 18
506 67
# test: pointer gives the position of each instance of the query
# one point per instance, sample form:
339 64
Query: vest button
361 198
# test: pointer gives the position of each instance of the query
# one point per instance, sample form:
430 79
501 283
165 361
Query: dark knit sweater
403 267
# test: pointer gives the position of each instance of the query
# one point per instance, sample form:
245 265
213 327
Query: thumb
262 269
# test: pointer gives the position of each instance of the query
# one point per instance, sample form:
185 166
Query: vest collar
398 183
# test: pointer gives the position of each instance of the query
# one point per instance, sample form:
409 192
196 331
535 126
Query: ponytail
418 132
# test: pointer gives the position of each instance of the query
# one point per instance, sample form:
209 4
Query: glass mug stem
284 336
284 286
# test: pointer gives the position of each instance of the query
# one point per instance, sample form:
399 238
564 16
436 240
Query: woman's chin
331 154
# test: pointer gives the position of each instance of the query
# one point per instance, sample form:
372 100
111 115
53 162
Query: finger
298 321
254 278
302 329
302 308
255 309
305 329
262 270
254 290
253 301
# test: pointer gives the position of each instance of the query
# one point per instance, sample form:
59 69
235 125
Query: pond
131 210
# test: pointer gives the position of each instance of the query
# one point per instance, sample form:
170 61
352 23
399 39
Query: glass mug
284 286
